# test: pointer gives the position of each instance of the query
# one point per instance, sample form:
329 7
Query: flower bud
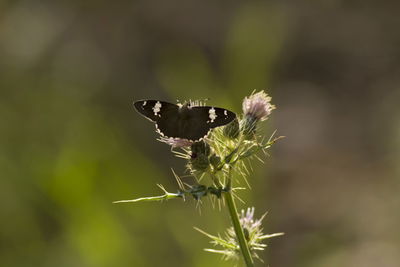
248 126
200 147
232 129
199 162
253 233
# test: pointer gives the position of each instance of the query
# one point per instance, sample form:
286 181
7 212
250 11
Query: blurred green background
71 143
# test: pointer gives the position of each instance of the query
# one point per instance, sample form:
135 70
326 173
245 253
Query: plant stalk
238 228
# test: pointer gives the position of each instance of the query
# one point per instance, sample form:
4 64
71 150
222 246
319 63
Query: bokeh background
71 143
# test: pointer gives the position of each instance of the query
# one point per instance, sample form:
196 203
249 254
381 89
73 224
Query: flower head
199 160
258 106
247 219
252 230
176 142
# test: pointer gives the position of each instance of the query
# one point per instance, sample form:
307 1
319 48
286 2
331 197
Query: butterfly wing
200 120
164 114
222 116
168 124
152 109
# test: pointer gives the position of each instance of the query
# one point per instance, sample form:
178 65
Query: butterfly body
185 121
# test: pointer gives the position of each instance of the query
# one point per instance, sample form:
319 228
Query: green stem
238 228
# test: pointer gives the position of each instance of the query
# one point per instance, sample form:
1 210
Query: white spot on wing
225 112
157 108
212 114
158 130
144 103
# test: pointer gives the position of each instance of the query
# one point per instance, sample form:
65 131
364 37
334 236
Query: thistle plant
226 152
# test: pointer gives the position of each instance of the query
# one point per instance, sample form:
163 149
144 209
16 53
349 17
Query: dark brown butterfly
185 121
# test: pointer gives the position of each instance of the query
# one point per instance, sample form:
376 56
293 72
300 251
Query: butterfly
186 121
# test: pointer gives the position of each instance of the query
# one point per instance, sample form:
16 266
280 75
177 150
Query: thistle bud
232 129
199 162
200 147
248 126
252 230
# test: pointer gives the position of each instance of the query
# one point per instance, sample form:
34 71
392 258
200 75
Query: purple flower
176 142
247 220
258 106
253 232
